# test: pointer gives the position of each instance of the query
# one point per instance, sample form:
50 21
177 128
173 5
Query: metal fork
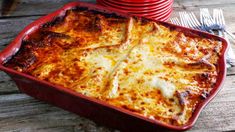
184 19
218 17
175 21
219 20
192 21
206 20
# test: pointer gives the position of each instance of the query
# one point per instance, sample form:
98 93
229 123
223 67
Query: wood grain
38 7
10 27
21 113
7 86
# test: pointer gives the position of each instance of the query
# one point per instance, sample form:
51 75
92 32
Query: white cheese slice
113 87
167 89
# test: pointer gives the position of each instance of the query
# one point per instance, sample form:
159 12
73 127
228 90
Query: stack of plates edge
154 9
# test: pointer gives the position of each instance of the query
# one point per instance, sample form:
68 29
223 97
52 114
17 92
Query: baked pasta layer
140 65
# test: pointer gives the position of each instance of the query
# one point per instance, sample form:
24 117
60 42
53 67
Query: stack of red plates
155 9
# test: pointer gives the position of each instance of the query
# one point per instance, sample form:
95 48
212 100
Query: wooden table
19 112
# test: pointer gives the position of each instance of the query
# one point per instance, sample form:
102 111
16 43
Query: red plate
151 14
154 14
149 7
138 4
164 17
153 7
140 1
160 17
160 11
137 10
129 9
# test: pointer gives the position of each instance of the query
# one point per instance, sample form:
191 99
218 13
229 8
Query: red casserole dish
94 109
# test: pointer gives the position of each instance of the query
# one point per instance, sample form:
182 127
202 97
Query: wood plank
38 7
20 113
7 86
231 71
10 27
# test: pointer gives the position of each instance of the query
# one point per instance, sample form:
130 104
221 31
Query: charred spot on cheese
134 63
200 64
204 94
79 9
22 59
55 21
183 97
54 34
144 21
23 62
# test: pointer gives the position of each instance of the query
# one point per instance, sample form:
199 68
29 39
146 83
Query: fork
219 20
218 16
175 21
207 21
192 21
183 19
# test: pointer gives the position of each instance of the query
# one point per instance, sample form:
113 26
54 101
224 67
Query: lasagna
140 65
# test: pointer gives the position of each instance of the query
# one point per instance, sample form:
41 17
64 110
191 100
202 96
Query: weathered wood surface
19 112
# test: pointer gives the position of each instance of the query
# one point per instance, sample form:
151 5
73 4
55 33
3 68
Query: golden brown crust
137 64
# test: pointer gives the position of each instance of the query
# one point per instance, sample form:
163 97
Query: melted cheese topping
135 64
167 89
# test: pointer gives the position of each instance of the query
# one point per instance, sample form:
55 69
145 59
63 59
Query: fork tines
175 21
190 20
218 17
184 19
194 22
206 19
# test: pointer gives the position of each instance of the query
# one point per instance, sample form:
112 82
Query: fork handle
230 34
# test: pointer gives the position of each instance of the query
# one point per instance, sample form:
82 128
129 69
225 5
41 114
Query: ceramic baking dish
98 111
